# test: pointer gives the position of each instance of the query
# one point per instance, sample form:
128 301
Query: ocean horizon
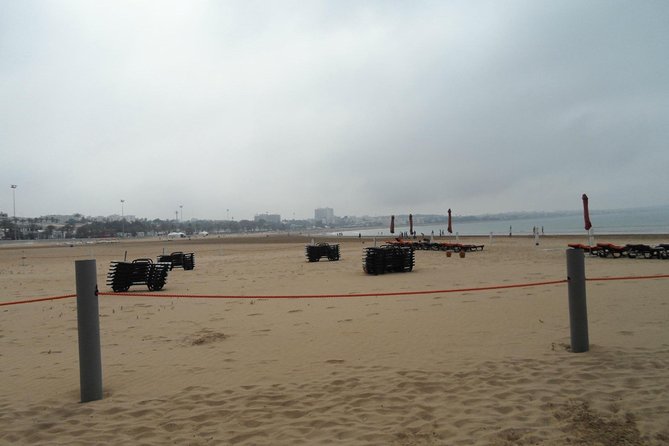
618 222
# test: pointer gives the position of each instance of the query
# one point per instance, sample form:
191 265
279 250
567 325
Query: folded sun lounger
646 251
611 250
593 250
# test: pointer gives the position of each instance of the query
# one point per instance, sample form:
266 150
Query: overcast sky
235 108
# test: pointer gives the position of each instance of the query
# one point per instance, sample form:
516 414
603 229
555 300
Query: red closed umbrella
586 213
392 224
410 224
450 228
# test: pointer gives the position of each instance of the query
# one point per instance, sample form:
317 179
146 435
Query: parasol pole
588 223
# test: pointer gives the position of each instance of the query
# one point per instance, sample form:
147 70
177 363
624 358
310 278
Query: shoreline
290 237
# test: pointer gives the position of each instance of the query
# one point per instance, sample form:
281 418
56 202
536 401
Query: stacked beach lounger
122 275
179 260
314 252
388 258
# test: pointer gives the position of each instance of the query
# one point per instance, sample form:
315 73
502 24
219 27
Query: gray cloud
366 107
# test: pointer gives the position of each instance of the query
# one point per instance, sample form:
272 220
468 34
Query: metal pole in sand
578 309
591 237
88 322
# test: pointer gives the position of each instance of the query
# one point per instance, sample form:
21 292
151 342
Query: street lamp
122 220
13 186
181 206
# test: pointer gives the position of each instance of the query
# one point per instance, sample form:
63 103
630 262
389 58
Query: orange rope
601 279
40 299
320 296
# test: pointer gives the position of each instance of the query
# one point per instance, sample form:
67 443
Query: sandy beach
478 367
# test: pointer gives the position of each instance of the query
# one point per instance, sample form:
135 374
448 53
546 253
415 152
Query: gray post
578 310
88 322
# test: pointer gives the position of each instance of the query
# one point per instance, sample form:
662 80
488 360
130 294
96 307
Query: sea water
631 221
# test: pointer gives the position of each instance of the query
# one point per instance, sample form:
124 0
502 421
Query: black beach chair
646 251
470 248
611 250
122 275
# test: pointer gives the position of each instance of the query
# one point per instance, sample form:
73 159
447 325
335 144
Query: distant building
269 218
324 215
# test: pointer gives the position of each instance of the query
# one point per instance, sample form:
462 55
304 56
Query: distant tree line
81 227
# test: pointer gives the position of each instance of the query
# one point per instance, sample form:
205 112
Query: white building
324 215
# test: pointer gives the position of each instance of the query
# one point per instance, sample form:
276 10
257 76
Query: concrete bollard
88 323
578 309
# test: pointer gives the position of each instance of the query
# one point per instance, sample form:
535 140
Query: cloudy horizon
238 108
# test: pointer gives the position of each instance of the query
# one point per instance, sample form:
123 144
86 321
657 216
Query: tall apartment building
324 215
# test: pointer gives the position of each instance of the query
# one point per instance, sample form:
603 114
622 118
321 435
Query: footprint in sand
206 338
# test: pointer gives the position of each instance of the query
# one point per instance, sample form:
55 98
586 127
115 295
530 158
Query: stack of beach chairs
315 252
122 275
179 260
388 258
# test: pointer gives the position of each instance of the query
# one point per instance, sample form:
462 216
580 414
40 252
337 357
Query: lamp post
13 186
122 220
181 207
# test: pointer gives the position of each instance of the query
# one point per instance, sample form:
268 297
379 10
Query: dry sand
466 368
